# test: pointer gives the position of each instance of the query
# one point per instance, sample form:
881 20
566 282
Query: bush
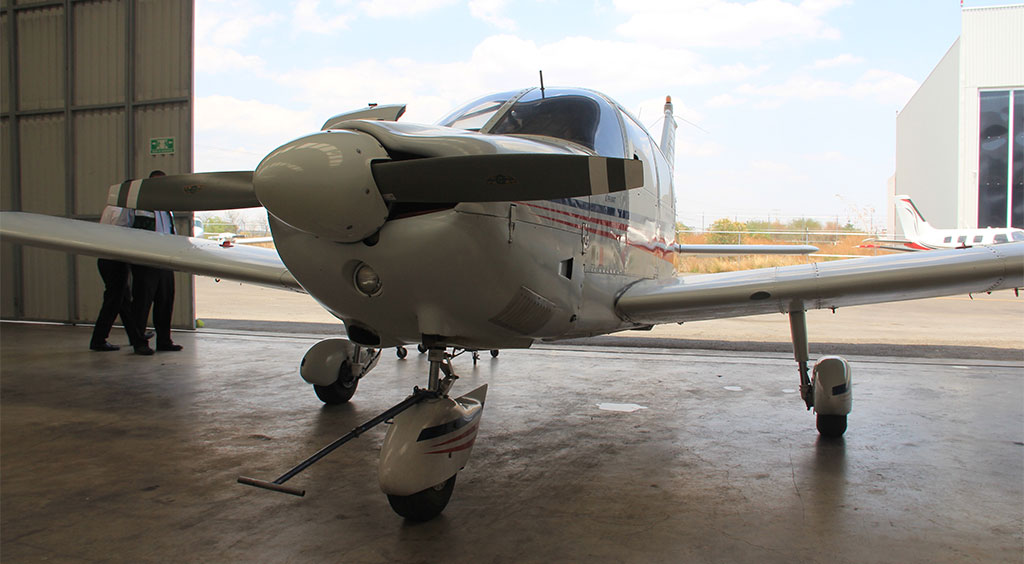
725 224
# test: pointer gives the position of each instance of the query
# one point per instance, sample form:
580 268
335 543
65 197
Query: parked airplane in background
227 239
522 216
921 236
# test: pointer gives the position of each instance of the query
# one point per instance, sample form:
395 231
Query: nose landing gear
428 443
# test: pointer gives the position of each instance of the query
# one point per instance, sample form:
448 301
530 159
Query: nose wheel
424 505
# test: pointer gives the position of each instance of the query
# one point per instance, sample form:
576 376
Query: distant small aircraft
523 216
228 239
921 236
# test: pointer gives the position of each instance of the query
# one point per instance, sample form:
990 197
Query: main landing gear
828 389
334 367
429 441
401 352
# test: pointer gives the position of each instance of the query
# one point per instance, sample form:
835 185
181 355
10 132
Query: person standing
116 295
154 287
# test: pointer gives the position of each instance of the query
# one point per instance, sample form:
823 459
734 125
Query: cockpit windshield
578 116
476 114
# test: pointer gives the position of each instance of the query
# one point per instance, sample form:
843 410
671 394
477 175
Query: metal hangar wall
960 138
93 92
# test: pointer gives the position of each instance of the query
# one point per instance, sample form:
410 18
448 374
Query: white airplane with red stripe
921 236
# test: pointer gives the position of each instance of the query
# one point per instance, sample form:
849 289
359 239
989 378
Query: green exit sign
161 146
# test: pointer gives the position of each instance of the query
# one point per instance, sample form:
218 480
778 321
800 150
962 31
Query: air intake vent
526 313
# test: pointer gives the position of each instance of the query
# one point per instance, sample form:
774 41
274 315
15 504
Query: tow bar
277 485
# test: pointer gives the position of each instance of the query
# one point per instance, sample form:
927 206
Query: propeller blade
504 177
199 191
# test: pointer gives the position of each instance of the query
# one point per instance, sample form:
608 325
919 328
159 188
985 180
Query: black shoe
168 347
148 335
143 350
104 347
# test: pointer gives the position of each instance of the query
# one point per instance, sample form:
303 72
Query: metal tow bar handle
277 485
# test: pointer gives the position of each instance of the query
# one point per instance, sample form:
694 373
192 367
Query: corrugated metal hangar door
93 92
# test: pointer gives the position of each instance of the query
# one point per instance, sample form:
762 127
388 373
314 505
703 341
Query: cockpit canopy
581 116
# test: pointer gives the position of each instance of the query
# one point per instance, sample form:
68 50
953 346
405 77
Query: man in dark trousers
154 287
116 295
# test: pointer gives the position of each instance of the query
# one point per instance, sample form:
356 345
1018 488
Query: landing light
366 280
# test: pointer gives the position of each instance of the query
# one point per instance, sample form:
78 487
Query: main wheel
401 352
831 425
341 390
494 353
421 348
424 505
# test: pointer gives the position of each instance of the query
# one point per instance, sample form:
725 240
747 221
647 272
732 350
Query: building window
1001 159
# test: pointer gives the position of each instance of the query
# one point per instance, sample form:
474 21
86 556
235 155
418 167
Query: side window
1001 238
948 239
961 239
665 191
640 146
978 238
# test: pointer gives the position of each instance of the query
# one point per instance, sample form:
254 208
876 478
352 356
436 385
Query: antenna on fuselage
541 83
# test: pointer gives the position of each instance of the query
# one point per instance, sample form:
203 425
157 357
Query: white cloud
235 134
725 101
686 147
490 11
214 59
838 61
229 22
401 8
879 85
885 86
721 23
507 62
308 16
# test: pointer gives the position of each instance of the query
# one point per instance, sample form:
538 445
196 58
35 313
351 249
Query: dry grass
844 245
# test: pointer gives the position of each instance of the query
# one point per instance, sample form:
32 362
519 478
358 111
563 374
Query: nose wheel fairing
429 443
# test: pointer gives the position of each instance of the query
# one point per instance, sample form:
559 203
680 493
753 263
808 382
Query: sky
786 108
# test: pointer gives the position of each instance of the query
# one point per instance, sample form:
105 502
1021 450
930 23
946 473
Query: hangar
960 138
91 92
107 458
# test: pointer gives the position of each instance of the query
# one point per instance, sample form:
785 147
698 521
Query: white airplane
921 236
228 239
524 216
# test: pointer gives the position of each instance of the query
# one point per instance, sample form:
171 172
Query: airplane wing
824 285
735 250
254 265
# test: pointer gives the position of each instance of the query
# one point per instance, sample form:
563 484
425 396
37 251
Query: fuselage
523 271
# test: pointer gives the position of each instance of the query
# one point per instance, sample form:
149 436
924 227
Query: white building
960 138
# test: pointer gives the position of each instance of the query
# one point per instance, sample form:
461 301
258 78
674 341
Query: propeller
200 191
338 184
504 177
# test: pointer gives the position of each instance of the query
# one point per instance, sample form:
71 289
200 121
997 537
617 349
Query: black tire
424 505
341 390
421 348
832 425
494 353
401 352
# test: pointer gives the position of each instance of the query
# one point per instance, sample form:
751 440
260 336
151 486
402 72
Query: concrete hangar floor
117 458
